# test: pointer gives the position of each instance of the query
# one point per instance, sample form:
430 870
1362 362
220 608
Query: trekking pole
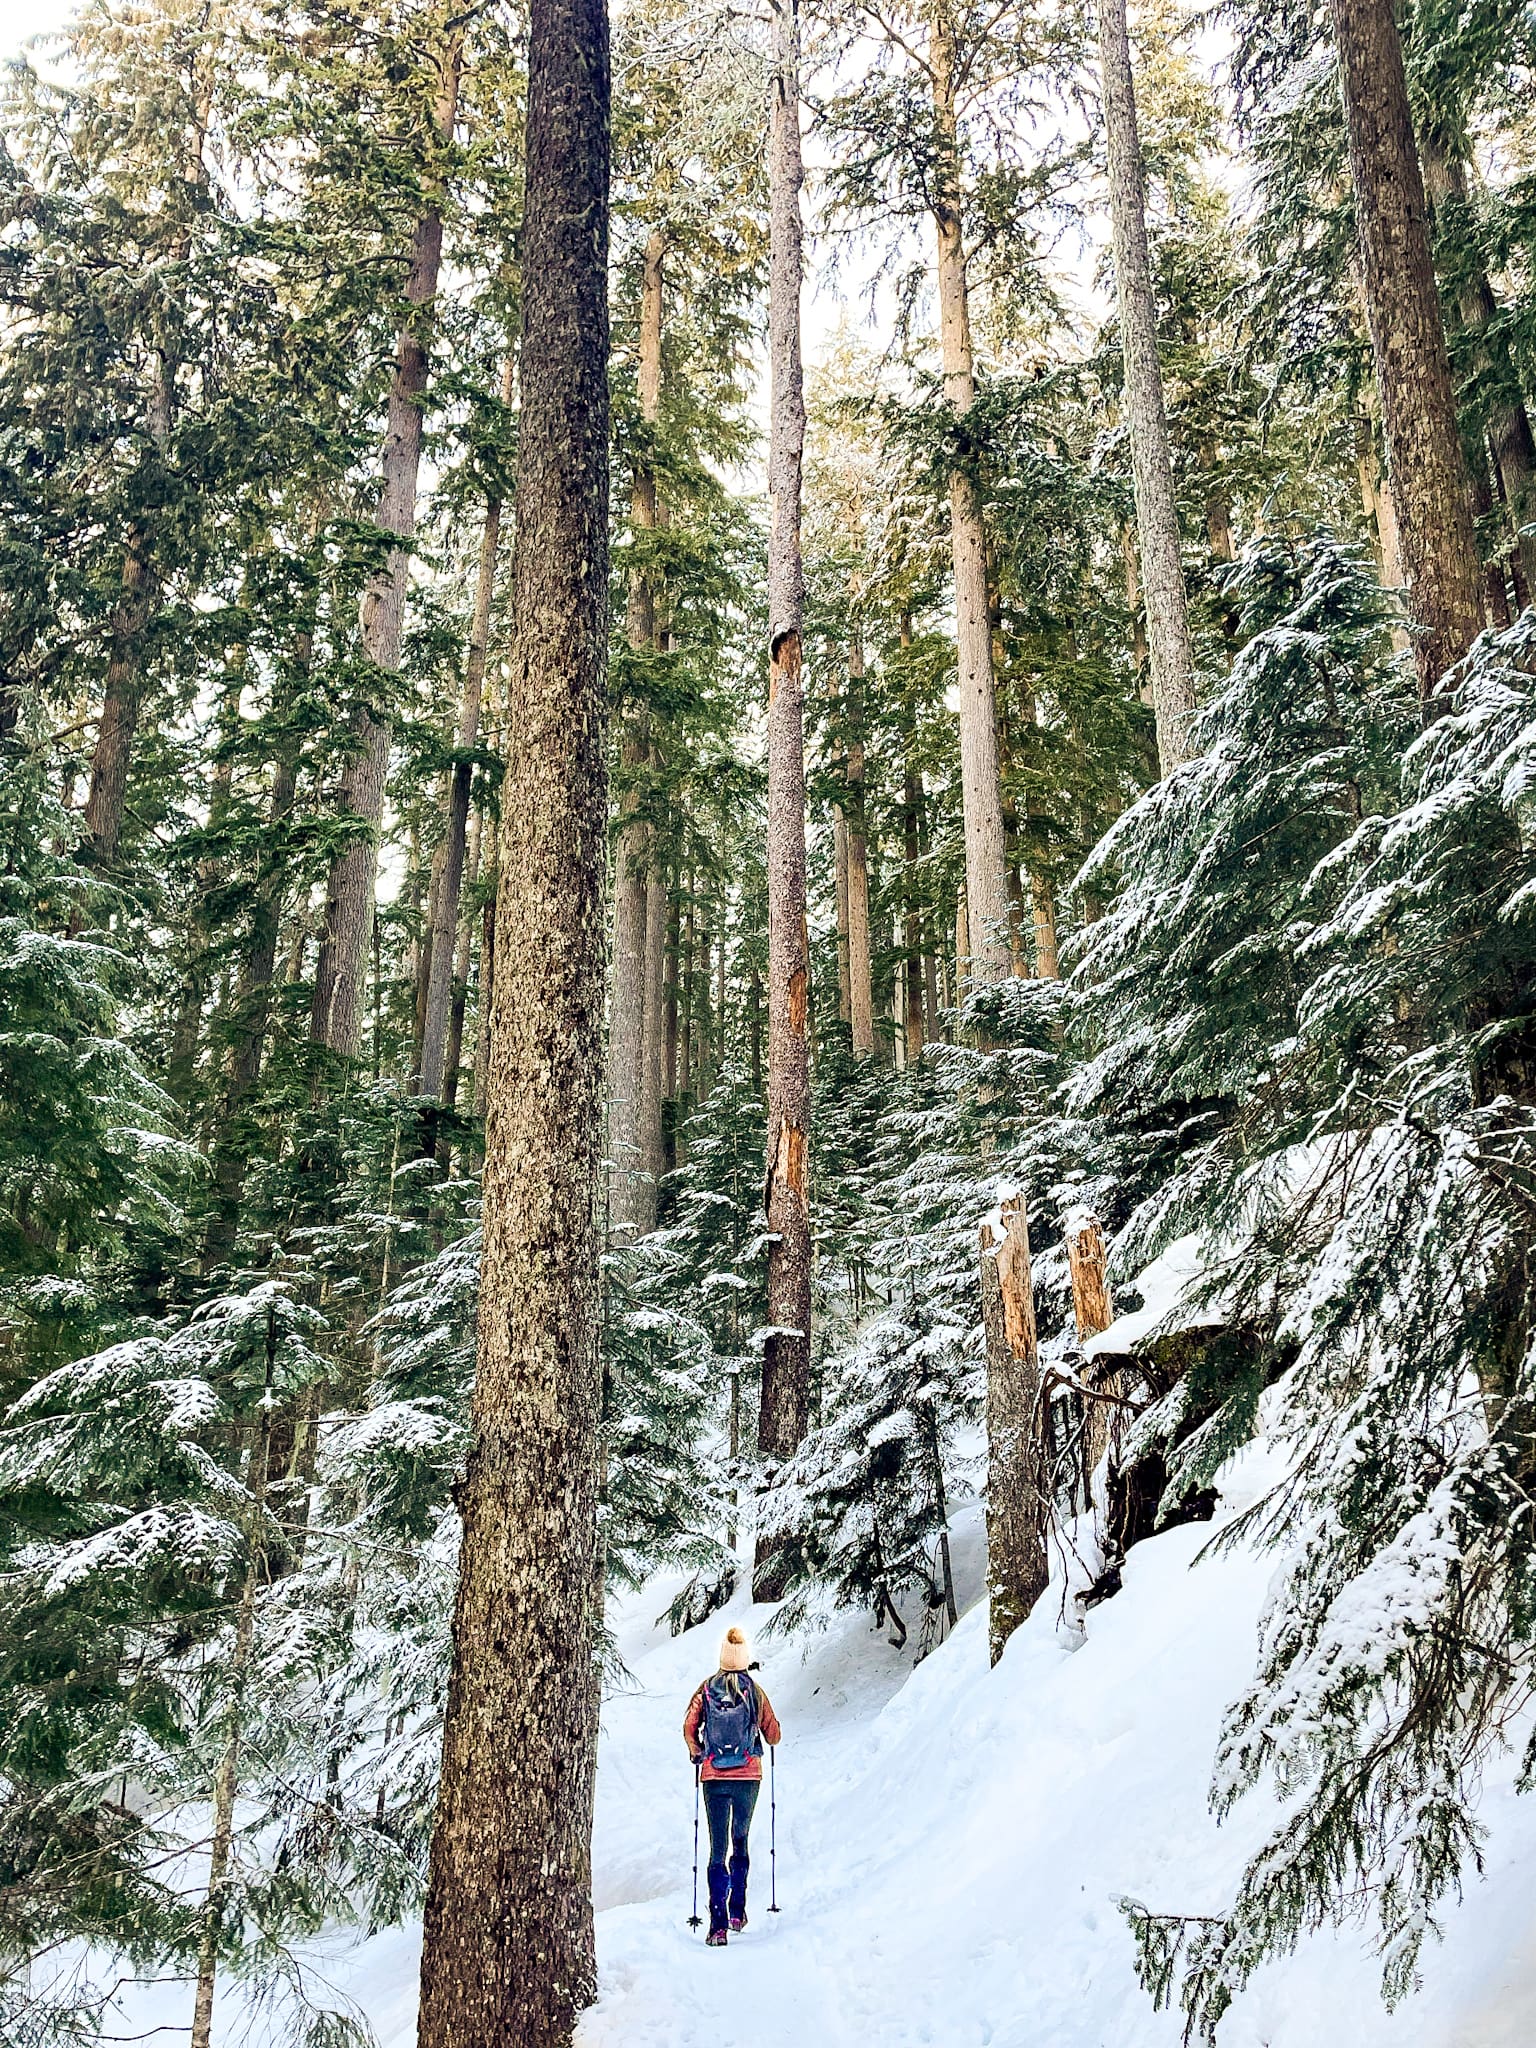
694 1920
773 1828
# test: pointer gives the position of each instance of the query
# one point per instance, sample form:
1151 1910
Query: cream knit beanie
733 1651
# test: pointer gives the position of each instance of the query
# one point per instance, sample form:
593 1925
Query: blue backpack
728 1731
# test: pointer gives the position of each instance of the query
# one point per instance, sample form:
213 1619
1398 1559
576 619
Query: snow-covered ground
952 1841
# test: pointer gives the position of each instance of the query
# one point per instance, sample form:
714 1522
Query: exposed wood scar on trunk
799 1003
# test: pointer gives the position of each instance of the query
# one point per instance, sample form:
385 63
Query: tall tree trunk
1413 370
336 1015
226 1783
1509 423
1157 519
445 906
253 1008
912 928
844 958
632 1186
463 951
507 1952
861 998
985 881
1017 1567
139 590
653 1057
786 1388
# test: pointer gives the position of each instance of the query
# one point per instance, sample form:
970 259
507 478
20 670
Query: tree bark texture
632 1149
336 1015
981 801
785 1408
507 1955
1413 370
840 862
1157 522
1017 1567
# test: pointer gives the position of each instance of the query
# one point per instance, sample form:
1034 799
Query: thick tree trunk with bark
337 1012
785 1408
1017 1567
507 1954
985 853
1157 521
1413 371
632 1148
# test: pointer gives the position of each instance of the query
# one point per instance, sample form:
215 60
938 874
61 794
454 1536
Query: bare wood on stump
507 1953
1017 1567
1093 1310
1157 520
785 1408
632 1148
336 1012
1413 370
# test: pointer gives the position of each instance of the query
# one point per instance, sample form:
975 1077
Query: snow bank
952 1841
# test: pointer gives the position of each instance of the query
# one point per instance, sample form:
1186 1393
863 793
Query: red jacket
768 1725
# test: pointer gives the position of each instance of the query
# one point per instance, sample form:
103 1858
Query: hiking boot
738 1921
715 1938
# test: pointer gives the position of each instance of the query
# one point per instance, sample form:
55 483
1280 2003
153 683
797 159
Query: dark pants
729 1807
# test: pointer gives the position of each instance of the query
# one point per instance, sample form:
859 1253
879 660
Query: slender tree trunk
486 1015
1509 423
653 1078
1017 1567
632 1187
445 908
1157 519
462 952
786 1388
985 880
227 1781
336 1016
507 1953
861 999
912 931
1413 371
139 592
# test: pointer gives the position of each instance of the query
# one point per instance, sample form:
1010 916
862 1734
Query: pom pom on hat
733 1651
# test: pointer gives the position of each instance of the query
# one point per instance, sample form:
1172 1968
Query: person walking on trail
728 1720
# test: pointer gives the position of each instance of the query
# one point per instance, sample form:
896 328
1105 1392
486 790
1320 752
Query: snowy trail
952 1841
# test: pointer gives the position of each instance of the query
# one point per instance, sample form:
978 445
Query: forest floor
952 1841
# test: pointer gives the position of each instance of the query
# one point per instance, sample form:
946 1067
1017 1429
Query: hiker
728 1720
